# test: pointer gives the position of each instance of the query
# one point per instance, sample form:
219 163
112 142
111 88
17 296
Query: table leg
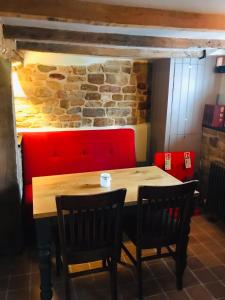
44 240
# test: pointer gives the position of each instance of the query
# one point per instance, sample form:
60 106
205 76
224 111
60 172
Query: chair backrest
89 223
164 212
178 168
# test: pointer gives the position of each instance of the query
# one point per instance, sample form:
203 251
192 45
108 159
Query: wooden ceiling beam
144 53
103 14
109 39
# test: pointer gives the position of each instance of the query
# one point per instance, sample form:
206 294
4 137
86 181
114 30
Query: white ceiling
203 6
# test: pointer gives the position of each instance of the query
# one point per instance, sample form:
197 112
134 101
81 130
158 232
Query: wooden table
44 208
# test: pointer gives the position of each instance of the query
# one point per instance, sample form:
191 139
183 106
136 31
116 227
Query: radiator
216 190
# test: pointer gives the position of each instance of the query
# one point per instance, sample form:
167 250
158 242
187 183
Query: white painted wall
59 59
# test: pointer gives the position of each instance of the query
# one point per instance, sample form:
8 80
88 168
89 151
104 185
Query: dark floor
204 277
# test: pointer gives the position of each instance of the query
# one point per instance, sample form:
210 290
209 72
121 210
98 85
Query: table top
46 188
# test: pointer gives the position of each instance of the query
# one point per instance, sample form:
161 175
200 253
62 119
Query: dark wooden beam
124 40
104 51
103 14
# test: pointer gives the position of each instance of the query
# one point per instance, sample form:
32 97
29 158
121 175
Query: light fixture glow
18 91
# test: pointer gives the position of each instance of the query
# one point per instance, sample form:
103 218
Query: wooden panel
195 85
93 13
160 87
192 84
10 230
104 51
8 175
110 39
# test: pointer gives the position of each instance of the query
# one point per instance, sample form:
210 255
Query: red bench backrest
178 168
63 152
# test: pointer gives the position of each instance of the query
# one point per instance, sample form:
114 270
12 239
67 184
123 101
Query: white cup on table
105 179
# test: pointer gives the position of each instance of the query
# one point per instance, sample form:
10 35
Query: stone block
130 97
131 120
76 95
110 104
61 94
79 70
46 69
118 112
127 104
120 121
53 85
93 112
87 122
118 79
76 78
64 104
107 68
89 87
109 89
58 111
130 89
77 124
93 103
64 118
117 97
96 78
56 124
65 69
126 70
106 97
74 110
71 86
56 76
75 117
95 68
93 96
77 102
42 92
99 122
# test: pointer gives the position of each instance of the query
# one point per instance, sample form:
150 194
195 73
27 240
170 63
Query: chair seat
148 241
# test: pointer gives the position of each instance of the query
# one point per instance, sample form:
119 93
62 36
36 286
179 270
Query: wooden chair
90 230
154 226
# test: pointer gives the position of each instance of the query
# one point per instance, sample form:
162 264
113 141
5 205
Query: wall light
18 91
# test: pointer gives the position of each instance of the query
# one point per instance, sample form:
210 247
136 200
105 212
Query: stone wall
113 93
213 148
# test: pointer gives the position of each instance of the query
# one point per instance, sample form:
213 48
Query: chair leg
139 274
104 263
67 289
181 262
58 260
113 278
158 251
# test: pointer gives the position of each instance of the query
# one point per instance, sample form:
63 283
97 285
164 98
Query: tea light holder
105 179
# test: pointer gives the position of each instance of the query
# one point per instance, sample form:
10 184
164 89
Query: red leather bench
63 152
